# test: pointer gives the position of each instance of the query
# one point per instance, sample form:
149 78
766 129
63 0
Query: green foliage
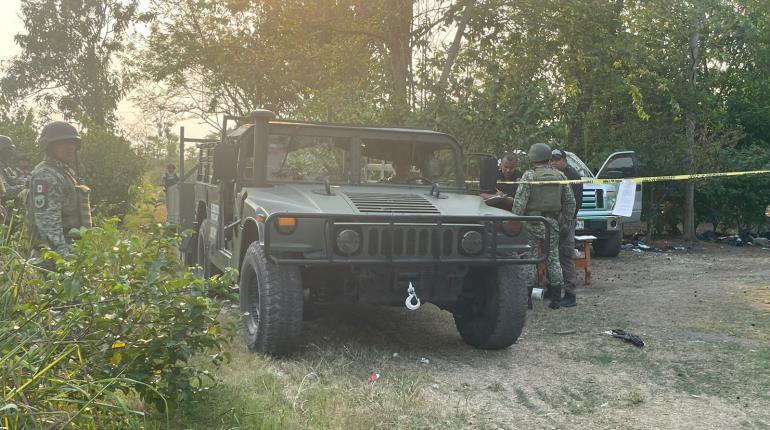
21 129
69 54
119 316
112 169
738 203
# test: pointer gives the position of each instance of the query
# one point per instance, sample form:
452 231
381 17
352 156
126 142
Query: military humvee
296 208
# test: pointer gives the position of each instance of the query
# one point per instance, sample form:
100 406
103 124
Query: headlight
348 241
472 242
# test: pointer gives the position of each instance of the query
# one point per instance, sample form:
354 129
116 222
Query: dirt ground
704 315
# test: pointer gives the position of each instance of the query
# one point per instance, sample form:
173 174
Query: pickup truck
595 215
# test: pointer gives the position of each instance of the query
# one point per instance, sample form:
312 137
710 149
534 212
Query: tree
69 57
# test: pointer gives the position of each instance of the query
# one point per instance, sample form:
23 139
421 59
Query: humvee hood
367 200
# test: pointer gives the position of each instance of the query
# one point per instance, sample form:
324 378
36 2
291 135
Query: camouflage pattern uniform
56 202
537 230
12 181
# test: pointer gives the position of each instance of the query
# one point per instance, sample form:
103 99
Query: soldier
553 202
57 202
9 176
567 236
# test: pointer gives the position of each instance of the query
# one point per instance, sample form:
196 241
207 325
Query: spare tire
491 310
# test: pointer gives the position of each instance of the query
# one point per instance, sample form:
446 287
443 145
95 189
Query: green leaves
121 314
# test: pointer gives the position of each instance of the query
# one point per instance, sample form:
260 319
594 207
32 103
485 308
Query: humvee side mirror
488 174
225 162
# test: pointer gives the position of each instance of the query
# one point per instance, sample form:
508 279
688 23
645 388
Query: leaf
118 344
116 358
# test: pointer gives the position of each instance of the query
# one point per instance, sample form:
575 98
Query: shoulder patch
40 188
40 201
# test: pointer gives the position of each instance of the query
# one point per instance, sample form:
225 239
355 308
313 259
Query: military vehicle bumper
400 239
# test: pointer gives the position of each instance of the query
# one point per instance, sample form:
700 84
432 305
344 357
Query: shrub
112 169
119 316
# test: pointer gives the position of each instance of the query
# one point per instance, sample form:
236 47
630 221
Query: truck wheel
609 246
271 297
492 307
202 259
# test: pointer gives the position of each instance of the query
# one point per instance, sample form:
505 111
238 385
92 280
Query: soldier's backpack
545 198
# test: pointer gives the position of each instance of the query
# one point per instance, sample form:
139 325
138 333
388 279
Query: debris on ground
374 377
628 337
565 332
424 360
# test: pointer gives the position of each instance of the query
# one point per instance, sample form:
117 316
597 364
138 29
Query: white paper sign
624 204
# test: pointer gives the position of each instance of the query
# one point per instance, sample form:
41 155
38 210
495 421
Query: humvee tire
202 251
271 297
609 246
492 308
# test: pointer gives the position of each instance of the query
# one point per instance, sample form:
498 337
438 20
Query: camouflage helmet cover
6 143
57 131
539 152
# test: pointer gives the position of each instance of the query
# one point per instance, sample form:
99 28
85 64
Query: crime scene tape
638 180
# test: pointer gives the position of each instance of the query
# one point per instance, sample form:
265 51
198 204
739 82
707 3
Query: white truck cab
595 215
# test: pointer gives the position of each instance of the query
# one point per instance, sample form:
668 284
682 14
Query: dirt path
703 315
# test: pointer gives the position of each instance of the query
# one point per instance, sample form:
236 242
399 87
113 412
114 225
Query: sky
11 25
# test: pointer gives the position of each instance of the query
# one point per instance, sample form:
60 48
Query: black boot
569 300
555 297
529 302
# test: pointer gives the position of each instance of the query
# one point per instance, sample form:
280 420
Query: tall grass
119 319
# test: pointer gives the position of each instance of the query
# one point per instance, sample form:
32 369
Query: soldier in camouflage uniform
57 201
553 202
12 182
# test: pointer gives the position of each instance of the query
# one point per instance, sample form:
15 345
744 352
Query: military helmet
539 152
6 143
57 131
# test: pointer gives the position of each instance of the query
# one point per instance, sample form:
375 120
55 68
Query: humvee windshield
293 158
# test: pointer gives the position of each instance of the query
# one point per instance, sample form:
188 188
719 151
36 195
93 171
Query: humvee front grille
392 203
413 240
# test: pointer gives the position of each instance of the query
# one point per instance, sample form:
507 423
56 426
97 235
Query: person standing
553 202
58 201
9 176
509 172
567 231
170 178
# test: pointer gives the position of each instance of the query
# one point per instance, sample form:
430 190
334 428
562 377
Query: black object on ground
628 337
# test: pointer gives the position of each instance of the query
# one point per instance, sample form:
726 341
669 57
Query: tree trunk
398 40
691 118
454 48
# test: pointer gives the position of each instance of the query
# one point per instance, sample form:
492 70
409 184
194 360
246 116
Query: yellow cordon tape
638 180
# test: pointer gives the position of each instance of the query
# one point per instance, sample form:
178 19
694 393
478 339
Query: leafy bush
119 316
112 169
737 203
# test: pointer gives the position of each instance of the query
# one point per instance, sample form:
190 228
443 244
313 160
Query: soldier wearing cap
12 182
567 236
57 202
508 172
554 203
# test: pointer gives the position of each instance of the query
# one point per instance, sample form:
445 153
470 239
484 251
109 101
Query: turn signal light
512 228
286 225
